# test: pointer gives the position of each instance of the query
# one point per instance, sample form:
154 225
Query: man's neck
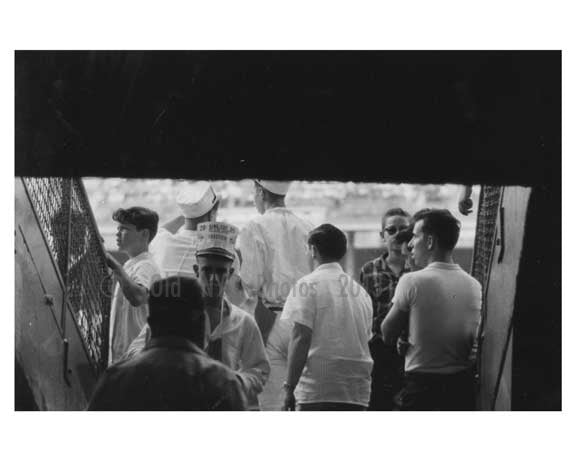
213 309
136 252
441 257
277 204
192 224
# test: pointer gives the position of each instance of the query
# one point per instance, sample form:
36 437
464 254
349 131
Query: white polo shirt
339 312
126 321
444 303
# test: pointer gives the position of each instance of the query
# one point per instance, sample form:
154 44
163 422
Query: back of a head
443 225
177 309
329 241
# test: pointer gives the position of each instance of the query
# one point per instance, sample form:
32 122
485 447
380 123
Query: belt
276 308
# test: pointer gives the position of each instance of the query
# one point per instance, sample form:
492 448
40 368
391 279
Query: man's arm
174 225
135 293
465 202
393 325
297 356
251 273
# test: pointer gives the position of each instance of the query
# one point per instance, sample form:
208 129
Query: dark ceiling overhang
389 116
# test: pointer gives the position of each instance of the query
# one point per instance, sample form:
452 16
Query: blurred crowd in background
353 207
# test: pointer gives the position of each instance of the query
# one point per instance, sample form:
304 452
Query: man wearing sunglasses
379 277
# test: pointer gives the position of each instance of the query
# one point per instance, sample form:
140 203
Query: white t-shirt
339 312
444 303
126 321
274 256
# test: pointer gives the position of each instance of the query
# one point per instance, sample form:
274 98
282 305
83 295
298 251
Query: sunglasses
393 230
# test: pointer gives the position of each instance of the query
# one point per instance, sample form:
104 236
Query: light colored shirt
242 349
274 254
175 253
444 304
339 312
126 321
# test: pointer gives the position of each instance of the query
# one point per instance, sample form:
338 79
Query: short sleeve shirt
444 305
126 321
339 313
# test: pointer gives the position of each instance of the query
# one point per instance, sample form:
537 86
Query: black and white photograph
157 269
353 231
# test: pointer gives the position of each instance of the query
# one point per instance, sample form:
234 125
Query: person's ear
196 271
430 242
146 234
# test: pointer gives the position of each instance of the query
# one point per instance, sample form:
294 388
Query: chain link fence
66 219
488 207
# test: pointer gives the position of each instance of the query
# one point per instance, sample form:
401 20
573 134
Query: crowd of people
207 317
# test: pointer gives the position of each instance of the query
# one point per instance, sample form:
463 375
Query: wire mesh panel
65 216
485 230
50 198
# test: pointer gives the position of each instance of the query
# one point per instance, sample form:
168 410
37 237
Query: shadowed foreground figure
172 373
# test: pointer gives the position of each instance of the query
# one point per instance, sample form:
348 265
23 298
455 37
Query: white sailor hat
216 238
276 187
196 199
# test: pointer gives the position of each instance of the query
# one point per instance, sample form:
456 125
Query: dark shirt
380 281
171 373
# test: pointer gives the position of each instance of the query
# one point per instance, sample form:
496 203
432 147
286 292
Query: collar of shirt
277 209
174 342
218 330
187 232
445 266
329 266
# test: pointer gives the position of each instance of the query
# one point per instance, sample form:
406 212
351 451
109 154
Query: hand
465 206
465 203
289 401
402 347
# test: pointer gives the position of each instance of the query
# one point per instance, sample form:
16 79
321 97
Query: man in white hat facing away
273 248
174 247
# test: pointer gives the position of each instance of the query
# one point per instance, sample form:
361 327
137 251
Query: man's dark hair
406 235
329 241
140 217
395 212
177 309
443 225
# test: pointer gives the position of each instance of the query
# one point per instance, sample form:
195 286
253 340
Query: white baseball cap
276 187
196 199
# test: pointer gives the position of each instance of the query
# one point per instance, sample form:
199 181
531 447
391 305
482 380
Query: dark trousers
437 392
387 375
330 406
